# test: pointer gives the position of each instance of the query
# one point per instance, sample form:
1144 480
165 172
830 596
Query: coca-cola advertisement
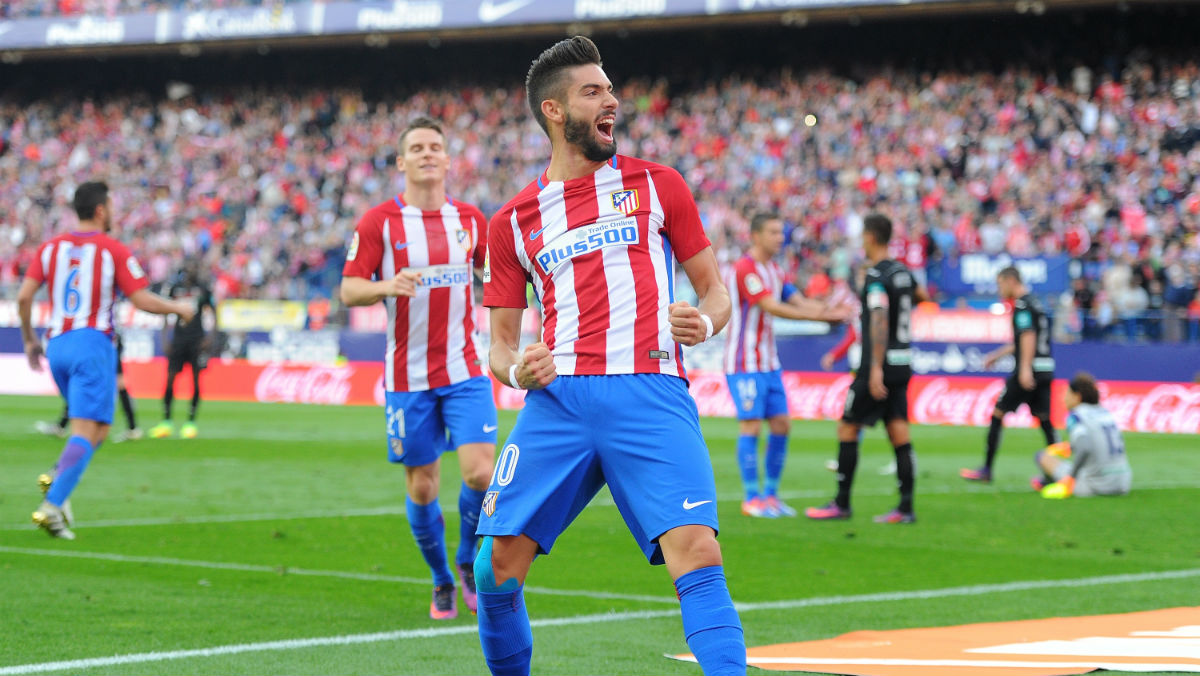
932 400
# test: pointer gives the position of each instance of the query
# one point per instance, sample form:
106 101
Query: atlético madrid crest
625 201
464 239
489 502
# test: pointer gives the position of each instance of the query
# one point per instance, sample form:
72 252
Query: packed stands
1100 161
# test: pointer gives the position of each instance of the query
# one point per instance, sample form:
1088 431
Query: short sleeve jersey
1029 316
600 251
750 336
888 285
84 273
431 339
201 296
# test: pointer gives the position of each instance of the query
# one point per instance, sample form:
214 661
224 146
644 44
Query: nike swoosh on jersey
490 428
400 246
537 233
693 505
490 12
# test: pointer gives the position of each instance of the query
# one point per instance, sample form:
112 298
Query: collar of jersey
401 203
544 178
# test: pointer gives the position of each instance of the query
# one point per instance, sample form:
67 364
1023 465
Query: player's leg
1054 462
1010 398
469 412
416 439
428 527
194 360
504 632
711 624
906 460
546 474
174 366
859 410
658 469
1039 406
126 403
750 405
86 359
778 426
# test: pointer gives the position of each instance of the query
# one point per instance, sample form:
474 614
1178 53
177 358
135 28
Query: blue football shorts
638 433
84 365
758 396
423 425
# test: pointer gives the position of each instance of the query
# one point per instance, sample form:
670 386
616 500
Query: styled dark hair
422 122
879 226
89 196
1011 272
759 221
545 78
1084 385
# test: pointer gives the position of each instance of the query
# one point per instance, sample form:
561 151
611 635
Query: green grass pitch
282 523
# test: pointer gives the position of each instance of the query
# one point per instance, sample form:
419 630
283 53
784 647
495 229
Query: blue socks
74 459
504 631
430 532
710 622
776 453
747 453
470 501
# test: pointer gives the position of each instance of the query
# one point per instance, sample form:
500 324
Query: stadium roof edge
75 47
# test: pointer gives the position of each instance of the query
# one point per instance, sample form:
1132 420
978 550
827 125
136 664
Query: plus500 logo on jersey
442 276
585 240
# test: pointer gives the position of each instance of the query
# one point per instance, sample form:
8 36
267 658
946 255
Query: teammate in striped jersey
84 270
752 367
417 253
598 234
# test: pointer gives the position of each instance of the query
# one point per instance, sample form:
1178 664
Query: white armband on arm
708 327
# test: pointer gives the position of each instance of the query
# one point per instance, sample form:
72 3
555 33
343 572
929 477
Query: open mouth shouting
604 127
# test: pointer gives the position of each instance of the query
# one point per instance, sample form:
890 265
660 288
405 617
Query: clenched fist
687 328
536 369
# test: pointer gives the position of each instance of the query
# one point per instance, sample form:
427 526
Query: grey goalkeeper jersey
1097 449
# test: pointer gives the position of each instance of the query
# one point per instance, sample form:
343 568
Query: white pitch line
603 501
298 644
284 571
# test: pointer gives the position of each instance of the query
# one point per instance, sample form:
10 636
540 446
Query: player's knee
485 573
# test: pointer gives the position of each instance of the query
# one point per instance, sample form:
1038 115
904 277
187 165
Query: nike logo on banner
400 246
487 429
693 505
537 233
490 12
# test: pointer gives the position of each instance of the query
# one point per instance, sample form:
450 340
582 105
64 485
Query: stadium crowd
266 183
20 9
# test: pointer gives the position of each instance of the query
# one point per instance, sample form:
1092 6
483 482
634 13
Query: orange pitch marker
1158 640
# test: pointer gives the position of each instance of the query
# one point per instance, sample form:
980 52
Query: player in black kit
187 347
880 388
1032 375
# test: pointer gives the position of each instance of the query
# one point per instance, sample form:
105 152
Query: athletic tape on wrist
512 377
708 327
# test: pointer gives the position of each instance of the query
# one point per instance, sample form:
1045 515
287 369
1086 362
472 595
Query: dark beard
579 133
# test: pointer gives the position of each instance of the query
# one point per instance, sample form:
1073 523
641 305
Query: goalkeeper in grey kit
1093 460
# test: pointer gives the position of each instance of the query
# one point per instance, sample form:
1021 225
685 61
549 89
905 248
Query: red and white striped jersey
83 273
600 251
750 336
431 338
